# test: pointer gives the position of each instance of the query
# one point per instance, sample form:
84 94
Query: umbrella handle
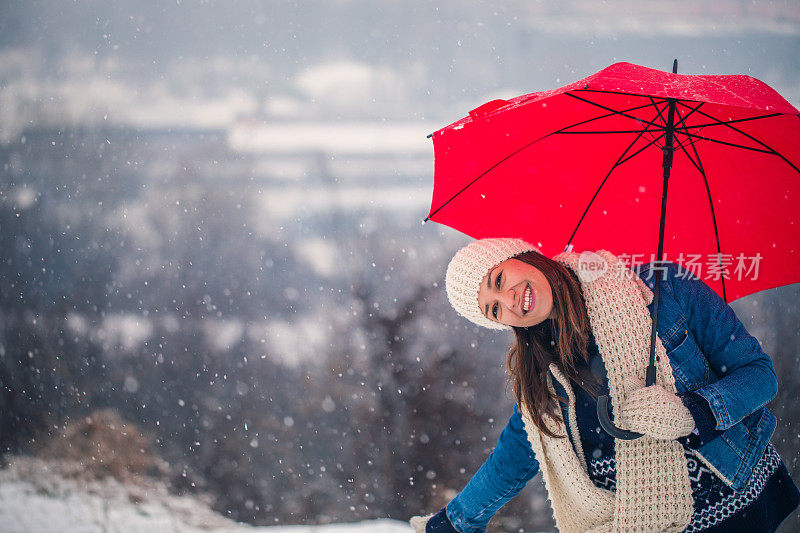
608 425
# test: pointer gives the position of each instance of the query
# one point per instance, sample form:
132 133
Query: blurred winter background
213 276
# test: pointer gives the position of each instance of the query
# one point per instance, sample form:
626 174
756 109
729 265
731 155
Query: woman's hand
654 411
433 523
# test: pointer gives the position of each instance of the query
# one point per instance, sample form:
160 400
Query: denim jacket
711 354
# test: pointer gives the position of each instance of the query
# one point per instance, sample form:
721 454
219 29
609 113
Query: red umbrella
589 165
581 165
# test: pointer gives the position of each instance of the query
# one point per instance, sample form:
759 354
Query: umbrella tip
675 66
424 221
430 135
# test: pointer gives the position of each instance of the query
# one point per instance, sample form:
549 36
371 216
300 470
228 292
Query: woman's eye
497 280
494 311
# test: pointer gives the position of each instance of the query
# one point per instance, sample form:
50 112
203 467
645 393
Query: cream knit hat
467 269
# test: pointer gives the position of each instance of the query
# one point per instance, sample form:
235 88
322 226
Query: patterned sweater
769 497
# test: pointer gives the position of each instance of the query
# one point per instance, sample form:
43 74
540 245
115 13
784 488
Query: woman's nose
508 298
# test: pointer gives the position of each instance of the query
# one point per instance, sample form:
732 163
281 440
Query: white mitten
419 523
654 411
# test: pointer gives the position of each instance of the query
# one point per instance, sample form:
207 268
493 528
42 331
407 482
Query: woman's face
515 293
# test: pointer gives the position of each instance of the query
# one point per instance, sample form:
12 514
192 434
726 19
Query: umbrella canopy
582 165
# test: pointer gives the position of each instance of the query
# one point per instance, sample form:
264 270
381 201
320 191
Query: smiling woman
584 332
516 293
554 296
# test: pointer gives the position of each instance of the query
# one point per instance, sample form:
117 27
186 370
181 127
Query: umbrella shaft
657 268
667 165
668 139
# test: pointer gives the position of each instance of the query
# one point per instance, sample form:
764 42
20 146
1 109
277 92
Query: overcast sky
210 64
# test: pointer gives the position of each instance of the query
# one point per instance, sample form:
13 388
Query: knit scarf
653 490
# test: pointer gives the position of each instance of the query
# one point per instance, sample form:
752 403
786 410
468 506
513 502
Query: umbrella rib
618 163
680 143
653 139
597 132
660 115
614 111
769 150
735 121
645 147
699 166
653 103
680 101
663 99
482 174
677 140
682 118
692 112
602 117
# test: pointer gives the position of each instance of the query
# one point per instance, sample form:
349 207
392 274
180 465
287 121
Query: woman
705 462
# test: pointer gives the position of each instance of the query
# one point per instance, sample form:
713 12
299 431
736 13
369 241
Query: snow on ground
38 496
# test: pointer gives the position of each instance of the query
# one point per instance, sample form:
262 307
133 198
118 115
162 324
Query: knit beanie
468 268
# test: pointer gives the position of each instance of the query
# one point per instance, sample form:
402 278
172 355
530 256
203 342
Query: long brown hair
529 359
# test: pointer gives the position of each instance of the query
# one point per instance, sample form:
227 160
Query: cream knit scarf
653 491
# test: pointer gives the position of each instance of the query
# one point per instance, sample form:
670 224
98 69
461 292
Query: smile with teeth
527 298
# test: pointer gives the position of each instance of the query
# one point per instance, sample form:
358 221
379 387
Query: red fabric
509 175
